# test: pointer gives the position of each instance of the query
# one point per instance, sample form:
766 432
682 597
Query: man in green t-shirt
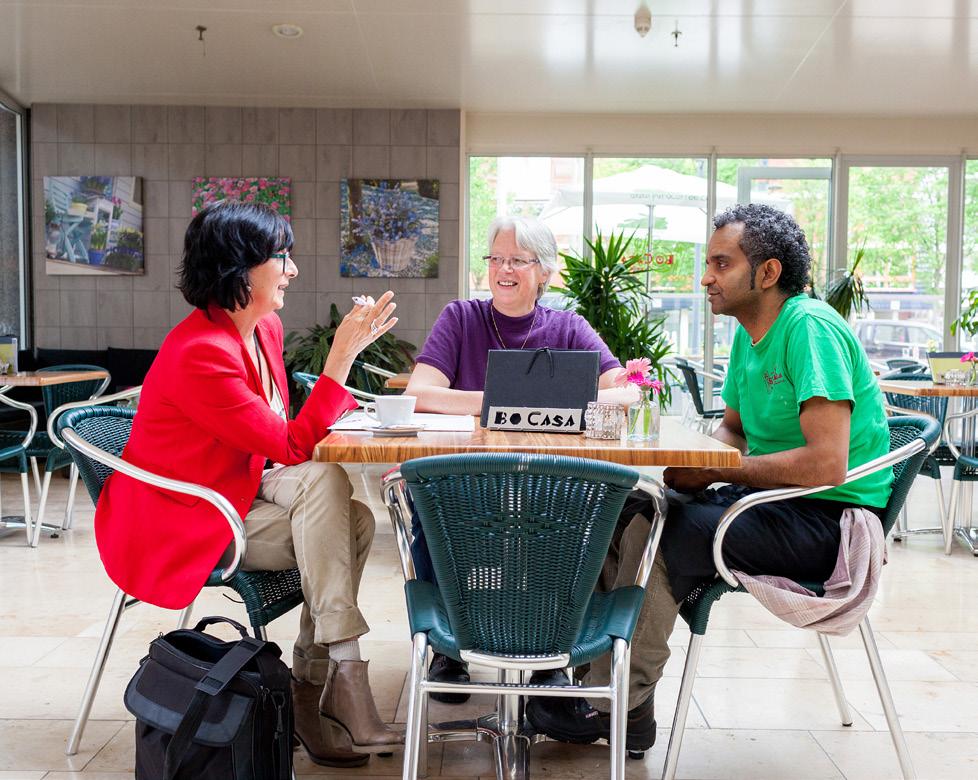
802 405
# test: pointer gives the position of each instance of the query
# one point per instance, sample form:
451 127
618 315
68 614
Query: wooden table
398 382
45 378
964 397
929 389
677 446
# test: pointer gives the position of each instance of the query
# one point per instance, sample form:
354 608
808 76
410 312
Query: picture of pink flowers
275 193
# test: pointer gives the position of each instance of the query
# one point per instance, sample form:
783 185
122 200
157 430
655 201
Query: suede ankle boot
348 703
325 742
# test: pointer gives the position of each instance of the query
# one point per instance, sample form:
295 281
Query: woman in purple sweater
451 369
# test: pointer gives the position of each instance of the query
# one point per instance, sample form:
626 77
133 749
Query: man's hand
687 480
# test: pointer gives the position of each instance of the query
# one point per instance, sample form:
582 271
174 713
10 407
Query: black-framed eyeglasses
284 257
516 263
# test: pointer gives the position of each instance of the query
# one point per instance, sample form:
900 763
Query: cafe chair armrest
951 418
394 491
99 400
25 407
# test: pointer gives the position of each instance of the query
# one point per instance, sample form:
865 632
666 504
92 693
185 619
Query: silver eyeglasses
284 257
516 263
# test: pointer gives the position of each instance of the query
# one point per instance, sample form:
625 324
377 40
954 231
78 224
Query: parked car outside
884 339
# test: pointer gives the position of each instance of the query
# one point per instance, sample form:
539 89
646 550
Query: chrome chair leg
91 688
423 742
413 734
840 696
620 655
37 474
886 699
41 507
952 516
70 506
682 707
184 620
33 534
943 509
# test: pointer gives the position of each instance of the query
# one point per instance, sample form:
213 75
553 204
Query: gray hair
532 235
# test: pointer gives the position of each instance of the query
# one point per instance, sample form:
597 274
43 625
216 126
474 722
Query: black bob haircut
769 233
223 242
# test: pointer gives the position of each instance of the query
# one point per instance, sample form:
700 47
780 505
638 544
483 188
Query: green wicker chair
41 445
308 381
517 542
911 440
95 437
932 406
14 460
965 470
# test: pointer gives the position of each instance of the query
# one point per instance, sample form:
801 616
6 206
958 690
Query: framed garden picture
273 192
389 227
93 225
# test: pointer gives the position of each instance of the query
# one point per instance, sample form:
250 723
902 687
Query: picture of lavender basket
389 228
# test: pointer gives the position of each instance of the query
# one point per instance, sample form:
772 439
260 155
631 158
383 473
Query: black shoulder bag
209 708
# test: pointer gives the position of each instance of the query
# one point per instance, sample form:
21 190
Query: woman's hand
366 323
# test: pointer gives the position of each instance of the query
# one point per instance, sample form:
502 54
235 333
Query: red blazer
203 417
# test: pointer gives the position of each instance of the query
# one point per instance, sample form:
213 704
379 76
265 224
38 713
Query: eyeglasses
285 257
516 263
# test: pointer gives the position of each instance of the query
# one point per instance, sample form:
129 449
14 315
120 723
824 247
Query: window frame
24 250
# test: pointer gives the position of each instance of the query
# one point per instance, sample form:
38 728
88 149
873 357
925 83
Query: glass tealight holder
955 377
603 421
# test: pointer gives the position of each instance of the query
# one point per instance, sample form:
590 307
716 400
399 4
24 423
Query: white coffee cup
391 409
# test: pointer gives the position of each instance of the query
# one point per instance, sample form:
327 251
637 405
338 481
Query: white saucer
405 429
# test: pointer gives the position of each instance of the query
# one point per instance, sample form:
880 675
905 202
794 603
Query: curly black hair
771 233
224 241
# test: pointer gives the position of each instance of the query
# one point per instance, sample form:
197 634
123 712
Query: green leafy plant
50 215
609 294
846 294
968 320
307 352
98 238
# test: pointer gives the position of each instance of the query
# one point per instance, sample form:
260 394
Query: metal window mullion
711 207
954 247
588 210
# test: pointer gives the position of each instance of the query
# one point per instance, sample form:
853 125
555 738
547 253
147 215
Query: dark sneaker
549 677
445 669
577 722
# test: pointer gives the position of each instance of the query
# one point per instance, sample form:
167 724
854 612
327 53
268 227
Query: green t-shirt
809 351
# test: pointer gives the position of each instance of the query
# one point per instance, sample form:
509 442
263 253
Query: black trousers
797 538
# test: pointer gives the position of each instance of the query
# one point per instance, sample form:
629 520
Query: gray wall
169 145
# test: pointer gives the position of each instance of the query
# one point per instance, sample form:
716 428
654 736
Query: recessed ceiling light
287 30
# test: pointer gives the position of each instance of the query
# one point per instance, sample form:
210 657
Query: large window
801 187
662 204
12 233
897 228
524 186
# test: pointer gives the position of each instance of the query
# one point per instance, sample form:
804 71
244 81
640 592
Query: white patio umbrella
641 200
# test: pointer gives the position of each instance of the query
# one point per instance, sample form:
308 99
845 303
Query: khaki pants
304 517
650 642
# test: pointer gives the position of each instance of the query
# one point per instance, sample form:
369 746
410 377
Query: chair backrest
304 380
67 392
692 384
108 428
907 365
903 430
932 405
517 543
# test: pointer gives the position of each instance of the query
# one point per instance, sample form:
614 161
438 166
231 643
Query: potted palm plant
847 294
608 292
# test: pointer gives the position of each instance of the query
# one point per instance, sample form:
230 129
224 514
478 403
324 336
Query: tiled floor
762 708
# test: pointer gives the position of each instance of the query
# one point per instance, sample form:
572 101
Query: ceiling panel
836 56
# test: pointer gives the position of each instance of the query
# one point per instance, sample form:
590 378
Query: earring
248 287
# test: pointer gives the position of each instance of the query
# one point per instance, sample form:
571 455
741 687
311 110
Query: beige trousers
304 517
650 642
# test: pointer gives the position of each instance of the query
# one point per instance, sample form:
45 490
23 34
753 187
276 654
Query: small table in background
398 382
37 379
964 398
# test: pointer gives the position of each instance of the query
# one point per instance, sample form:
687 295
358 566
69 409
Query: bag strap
209 621
215 681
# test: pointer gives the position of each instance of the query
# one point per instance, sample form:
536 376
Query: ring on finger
373 328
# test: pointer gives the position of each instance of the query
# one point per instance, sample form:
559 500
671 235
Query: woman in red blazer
213 411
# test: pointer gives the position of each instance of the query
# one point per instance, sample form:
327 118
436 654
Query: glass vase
973 375
643 420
